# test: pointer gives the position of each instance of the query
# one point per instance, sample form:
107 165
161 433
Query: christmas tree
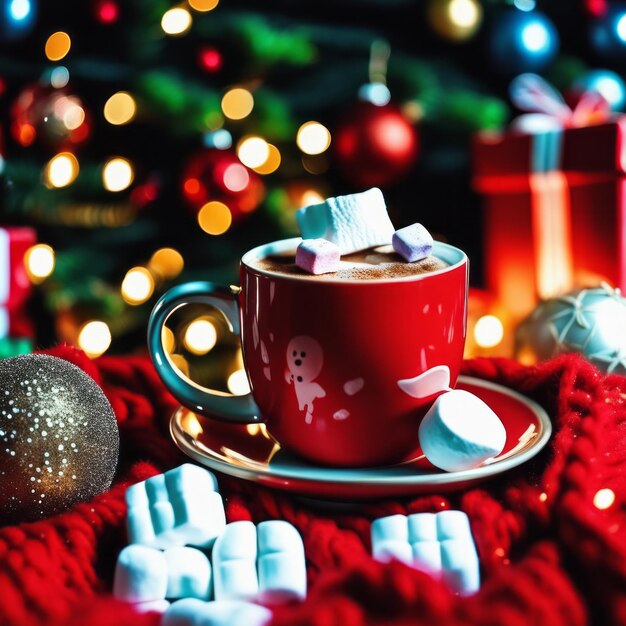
149 142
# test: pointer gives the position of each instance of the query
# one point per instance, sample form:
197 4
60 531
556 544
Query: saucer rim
348 476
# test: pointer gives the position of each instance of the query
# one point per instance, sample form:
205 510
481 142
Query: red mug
331 362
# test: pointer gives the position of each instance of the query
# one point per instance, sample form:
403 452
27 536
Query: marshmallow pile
351 223
182 551
438 543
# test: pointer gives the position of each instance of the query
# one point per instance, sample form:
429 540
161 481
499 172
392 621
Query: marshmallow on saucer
460 432
274 549
414 242
353 222
318 256
193 612
439 543
180 507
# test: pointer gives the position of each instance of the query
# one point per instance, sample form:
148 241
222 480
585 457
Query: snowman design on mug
304 361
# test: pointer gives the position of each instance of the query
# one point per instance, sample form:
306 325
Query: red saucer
250 453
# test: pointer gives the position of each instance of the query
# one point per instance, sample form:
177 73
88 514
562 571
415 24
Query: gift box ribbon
550 115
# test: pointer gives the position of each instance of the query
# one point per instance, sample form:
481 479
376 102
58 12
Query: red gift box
553 211
15 286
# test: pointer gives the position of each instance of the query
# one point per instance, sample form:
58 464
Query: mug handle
223 406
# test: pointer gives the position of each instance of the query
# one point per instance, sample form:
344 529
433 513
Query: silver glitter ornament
591 322
59 441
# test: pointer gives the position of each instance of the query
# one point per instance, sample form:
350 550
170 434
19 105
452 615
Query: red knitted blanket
548 555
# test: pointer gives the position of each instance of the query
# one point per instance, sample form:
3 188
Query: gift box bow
550 115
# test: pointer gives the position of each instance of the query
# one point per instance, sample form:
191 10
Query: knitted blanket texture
548 555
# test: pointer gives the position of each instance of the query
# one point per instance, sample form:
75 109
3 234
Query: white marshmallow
140 575
427 556
390 549
460 566
156 606
390 527
354 222
180 507
438 543
234 563
188 573
193 612
423 527
460 432
281 564
274 549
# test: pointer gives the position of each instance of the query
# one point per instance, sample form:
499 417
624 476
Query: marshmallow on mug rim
460 431
318 256
193 612
180 507
354 222
413 242
440 543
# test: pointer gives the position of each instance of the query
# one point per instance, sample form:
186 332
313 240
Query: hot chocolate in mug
340 370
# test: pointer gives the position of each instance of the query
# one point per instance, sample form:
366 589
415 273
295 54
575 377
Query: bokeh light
488 331
237 383
73 116
117 174
313 138
464 13
215 218
220 139
237 103
61 170
19 10
168 339
137 286
236 177
272 163
603 499
311 196
39 262
107 11
620 27
94 338
253 151
167 262
59 77
176 21
57 46
535 36
200 336
203 5
120 108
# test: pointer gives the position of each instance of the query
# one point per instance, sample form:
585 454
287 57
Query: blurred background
151 142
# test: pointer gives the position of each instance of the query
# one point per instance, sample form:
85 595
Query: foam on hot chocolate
371 264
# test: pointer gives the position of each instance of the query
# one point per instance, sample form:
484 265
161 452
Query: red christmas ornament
219 175
52 116
375 145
